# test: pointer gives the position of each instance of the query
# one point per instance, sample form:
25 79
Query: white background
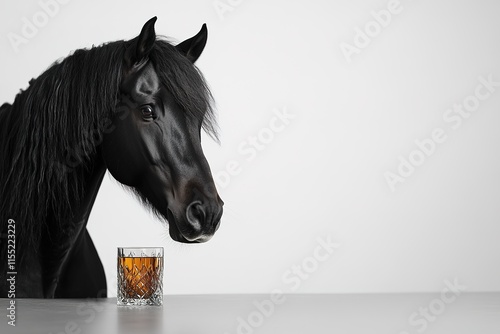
323 174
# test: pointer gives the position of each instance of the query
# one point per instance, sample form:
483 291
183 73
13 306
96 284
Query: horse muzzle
201 221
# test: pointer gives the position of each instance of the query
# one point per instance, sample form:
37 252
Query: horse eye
147 111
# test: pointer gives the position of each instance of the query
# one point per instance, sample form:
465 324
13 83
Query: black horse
133 107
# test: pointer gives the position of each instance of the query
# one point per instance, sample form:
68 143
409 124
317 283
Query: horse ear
193 47
141 45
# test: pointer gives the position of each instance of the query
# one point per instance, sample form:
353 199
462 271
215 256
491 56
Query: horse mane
186 83
51 131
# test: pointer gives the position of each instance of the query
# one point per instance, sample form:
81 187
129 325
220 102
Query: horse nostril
195 215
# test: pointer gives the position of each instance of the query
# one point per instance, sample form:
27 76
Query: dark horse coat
135 108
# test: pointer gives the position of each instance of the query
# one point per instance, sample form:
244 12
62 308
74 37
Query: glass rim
157 251
140 247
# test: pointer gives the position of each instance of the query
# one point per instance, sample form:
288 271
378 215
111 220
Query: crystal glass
140 276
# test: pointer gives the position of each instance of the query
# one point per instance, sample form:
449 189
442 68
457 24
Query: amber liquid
140 277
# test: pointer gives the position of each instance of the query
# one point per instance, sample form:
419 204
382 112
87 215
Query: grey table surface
477 313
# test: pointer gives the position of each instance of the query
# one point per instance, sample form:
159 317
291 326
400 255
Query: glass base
154 300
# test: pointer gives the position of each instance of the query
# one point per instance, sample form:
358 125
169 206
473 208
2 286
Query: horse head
154 145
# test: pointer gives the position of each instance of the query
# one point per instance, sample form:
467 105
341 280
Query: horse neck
92 183
92 179
61 237
64 232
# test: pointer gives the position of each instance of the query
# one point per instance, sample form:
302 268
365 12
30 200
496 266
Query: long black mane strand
48 125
